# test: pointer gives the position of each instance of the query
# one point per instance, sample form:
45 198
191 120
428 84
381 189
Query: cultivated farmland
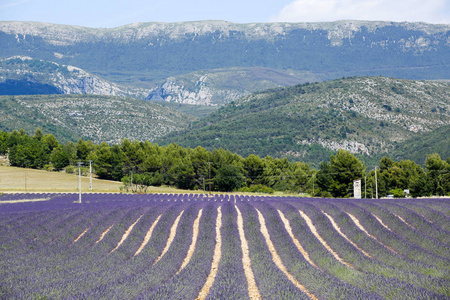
168 246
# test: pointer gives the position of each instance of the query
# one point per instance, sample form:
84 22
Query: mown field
14 179
168 246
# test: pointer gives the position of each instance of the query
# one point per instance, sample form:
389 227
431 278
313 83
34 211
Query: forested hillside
416 148
364 115
142 164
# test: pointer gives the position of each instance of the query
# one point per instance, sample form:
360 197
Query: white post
79 181
90 175
376 184
365 187
209 179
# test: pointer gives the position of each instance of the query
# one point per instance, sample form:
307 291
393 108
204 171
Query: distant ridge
143 52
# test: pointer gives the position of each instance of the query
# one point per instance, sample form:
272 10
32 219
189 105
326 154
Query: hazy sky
112 13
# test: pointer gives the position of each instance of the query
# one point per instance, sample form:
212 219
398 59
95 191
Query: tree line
142 164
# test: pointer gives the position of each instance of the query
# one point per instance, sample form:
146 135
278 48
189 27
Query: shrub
257 188
398 193
70 169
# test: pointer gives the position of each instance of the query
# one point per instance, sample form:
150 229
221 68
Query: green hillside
365 115
416 149
98 118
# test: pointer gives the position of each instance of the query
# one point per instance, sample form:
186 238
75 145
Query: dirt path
104 233
194 241
381 222
322 241
81 235
125 235
147 236
23 201
287 225
253 291
216 259
403 220
277 259
173 232
356 221
344 236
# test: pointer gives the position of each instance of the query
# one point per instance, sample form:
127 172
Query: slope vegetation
98 118
365 115
417 148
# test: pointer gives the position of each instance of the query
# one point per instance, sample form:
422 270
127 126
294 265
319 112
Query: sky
114 13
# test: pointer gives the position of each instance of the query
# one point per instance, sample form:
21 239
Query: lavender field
169 246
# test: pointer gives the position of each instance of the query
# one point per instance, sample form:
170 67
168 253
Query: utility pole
209 178
313 185
79 181
131 182
365 186
376 184
90 175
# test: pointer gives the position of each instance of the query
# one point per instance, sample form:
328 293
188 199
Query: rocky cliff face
66 79
174 90
337 32
222 86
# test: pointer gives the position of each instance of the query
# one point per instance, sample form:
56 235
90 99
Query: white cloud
431 11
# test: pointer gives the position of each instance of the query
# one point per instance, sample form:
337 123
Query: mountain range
280 89
143 53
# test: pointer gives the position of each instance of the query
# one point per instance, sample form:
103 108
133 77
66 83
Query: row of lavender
396 249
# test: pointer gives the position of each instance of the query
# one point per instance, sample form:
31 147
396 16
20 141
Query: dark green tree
183 176
229 178
59 158
84 148
437 174
51 141
344 169
4 138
